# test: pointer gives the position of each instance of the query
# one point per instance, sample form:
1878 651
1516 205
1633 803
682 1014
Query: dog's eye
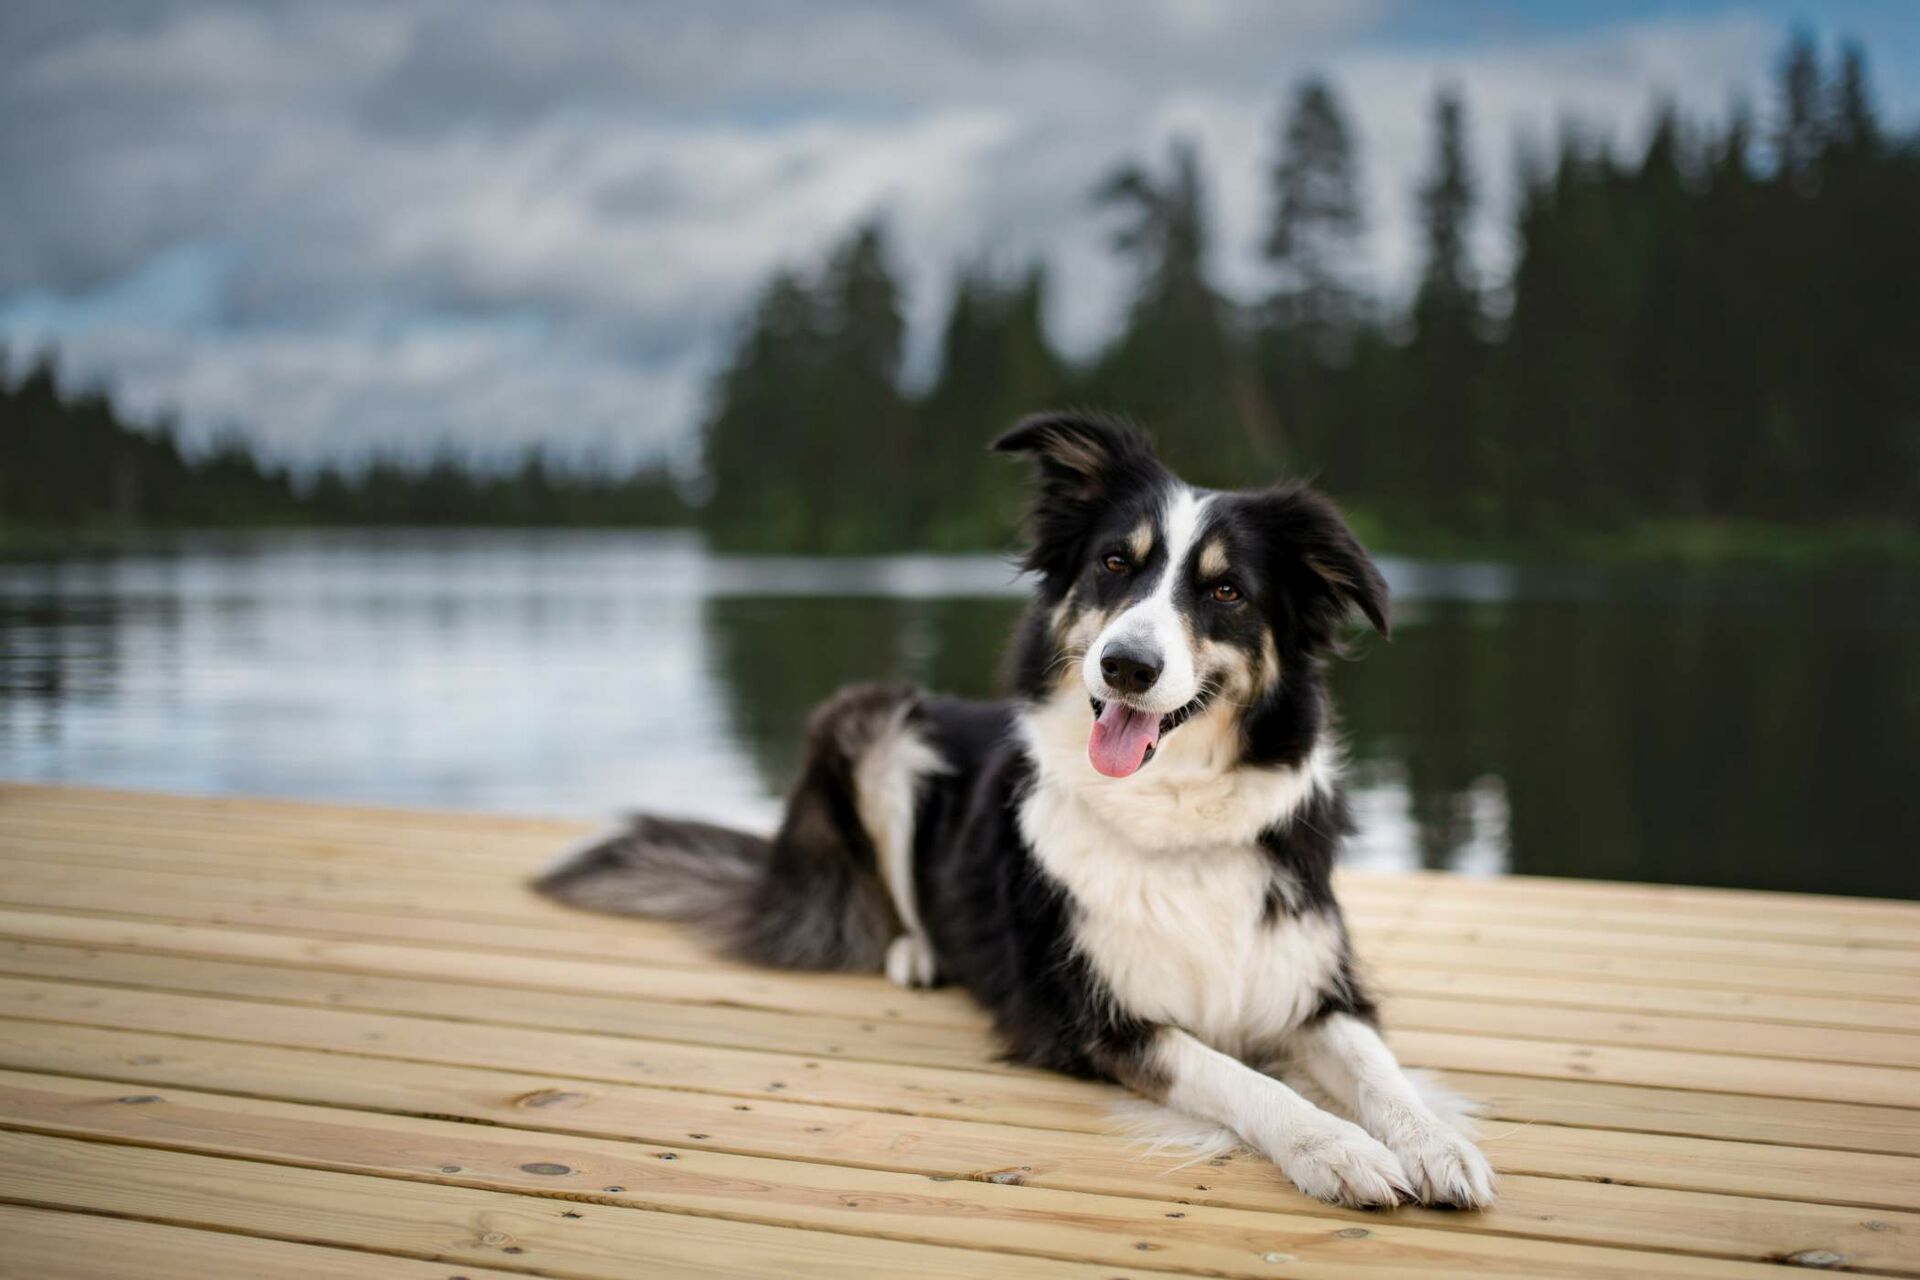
1116 564
1226 593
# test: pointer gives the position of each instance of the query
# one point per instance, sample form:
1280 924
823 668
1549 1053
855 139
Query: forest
1708 345
71 464
1705 346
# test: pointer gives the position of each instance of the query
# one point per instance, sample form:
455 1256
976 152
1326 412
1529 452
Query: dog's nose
1129 670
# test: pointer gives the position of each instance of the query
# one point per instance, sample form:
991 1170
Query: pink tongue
1121 737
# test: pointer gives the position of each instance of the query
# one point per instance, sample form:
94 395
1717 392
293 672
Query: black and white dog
1129 865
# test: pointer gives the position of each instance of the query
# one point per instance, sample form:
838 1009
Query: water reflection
1732 729
778 657
1708 736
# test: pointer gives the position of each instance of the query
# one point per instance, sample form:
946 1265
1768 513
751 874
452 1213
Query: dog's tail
815 896
664 869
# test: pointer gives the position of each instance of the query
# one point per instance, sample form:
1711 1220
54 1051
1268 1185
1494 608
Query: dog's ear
1082 457
1085 463
1325 572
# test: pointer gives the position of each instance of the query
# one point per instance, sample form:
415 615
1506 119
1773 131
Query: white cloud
306 394
505 221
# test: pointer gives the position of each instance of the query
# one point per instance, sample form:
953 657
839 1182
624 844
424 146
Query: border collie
1129 865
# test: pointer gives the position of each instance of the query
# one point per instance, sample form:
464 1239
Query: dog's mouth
1124 738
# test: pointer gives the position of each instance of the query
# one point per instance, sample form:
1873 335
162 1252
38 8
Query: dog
1129 863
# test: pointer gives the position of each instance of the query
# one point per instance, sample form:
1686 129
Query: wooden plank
1652 897
645 941
1651 1031
1028 1101
1041 1099
887 1040
377 817
499 890
504 906
1421 897
1684 1078
1590 1104
654 943
54 1245
428 826
1661 1068
1526 935
1663 1110
1543 1208
517 843
489 904
860 1207
905 1043
464 1225
1571 966
1705 1004
859 998
225 852
1676 1111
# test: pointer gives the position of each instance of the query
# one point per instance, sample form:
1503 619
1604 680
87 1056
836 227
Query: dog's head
1162 604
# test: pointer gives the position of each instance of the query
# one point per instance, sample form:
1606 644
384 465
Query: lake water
1751 729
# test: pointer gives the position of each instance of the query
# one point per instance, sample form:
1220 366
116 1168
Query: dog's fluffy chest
1183 936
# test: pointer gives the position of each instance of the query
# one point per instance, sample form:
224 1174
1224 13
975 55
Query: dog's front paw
1338 1162
910 962
1444 1168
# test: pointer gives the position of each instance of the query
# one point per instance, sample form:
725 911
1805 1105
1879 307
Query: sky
351 225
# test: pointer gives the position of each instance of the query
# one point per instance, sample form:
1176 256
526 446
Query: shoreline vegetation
1702 544
1703 353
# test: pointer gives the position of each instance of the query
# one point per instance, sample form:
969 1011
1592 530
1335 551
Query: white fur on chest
1170 894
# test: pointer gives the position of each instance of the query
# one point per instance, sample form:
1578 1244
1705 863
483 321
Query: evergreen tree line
70 461
1721 327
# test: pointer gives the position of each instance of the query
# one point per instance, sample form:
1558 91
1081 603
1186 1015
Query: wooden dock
289 1040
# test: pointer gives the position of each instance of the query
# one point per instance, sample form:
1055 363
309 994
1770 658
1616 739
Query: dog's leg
1347 1058
887 780
910 962
1326 1157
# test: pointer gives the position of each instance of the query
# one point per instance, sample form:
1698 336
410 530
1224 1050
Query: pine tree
1443 445
1853 130
996 365
1800 135
859 430
1180 362
1317 222
1307 343
1718 450
1659 257
754 441
808 441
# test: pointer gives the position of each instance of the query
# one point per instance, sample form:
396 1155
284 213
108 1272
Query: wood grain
243 1037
